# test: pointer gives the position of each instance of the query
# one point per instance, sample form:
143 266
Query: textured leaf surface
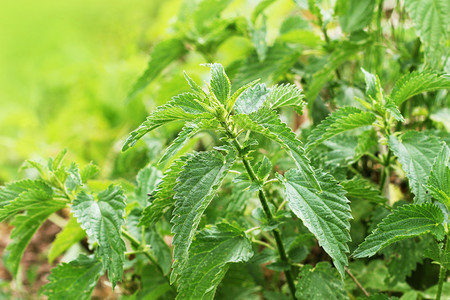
213 249
162 55
162 197
405 222
359 188
430 18
342 120
189 130
74 280
25 226
182 107
220 83
267 122
286 95
197 184
439 181
102 217
72 233
251 99
147 179
418 82
416 153
320 282
326 214
23 195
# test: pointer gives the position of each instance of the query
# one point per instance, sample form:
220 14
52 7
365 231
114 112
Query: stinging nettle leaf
189 130
197 185
147 179
220 83
439 180
267 123
102 217
430 18
416 152
182 107
25 226
72 233
252 99
74 280
286 95
346 118
210 255
325 213
416 83
162 198
405 222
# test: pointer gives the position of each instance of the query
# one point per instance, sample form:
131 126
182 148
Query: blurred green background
66 68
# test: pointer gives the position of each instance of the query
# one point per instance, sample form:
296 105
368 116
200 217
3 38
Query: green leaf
416 83
210 255
251 99
189 130
220 83
163 54
194 86
74 280
439 181
430 18
181 108
286 95
102 217
359 188
373 86
320 282
325 213
416 153
405 222
354 15
147 179
346 118
28 195
90 171
72 233
402 258
267 122
162 198
197 185
12 190
25 226
232 100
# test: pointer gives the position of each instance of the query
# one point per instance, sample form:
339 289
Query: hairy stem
442 273
265 206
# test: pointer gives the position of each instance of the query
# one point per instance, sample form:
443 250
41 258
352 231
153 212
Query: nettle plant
206 199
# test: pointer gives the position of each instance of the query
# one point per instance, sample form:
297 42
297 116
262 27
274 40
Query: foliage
312 164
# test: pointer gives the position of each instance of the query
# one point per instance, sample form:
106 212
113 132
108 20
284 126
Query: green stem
142 248
442 273
265 206
442 276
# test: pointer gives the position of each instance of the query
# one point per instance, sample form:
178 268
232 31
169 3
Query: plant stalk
268 213
442 273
